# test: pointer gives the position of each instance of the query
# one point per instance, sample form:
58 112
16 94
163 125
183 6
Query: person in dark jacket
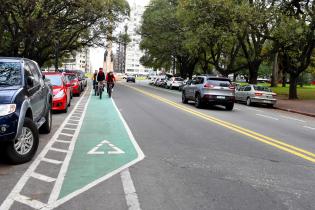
100 78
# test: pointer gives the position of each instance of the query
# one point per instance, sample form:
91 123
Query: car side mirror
29 82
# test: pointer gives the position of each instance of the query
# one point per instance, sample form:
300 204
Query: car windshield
10 74
219 82
71 77
262 88
55 80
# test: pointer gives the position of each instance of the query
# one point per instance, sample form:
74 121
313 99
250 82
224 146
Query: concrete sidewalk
305 107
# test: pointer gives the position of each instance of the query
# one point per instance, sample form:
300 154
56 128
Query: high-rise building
78 60
133 52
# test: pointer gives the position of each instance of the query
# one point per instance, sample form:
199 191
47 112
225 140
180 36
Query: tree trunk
293 86
284 79
234 77
253 72
275 70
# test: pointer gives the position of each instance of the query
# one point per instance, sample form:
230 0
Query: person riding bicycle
110 79
94 79
100 78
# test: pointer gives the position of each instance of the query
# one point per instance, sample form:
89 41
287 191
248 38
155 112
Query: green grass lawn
304 93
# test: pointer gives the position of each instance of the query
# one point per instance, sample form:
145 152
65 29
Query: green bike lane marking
105 146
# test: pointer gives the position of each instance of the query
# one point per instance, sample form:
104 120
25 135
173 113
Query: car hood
7 95
56 89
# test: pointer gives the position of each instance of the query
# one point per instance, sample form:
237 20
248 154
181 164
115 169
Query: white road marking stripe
6 205
71 124
43 177
57 188
309 127
292 118
48 160
266 116
96 182
237 109
71 129
66 134
29 202
257 110
59 150
130 191
62 141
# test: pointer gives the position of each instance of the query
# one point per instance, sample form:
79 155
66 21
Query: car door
190 88
246 92
67 88
33 89
43 88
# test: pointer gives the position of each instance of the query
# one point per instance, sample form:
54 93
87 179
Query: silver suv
209 90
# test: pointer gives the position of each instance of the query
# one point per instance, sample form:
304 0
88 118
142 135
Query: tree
48 29
163 38
295 36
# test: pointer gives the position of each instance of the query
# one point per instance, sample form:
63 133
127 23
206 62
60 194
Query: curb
295 111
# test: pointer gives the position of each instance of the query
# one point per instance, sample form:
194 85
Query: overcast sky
97 54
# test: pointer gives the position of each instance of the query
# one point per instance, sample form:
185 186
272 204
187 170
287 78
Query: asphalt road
249 158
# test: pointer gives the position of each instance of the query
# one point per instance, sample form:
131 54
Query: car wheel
184 99
171 87
69 102
23 148
46 127
66 109
248 102
198 102
270 105
229 106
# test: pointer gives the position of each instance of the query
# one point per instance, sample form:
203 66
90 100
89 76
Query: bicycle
100 89
110 89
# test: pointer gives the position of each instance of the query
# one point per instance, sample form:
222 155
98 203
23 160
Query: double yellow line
252 134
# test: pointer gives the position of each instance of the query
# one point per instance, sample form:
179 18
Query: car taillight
232 87
258 94
207 85
274 94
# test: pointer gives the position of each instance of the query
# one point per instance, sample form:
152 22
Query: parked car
74 83
252 94
25 108
61 91
180 88
209 90
131 78
81 78
174 82
160 81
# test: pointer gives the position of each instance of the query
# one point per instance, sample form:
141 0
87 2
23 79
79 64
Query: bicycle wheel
110 91
101 92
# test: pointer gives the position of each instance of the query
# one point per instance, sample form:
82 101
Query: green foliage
44 29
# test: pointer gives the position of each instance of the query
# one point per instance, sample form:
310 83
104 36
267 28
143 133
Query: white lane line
48 160
29 202
66 134
309 127
237 109
130 190
64 168
266 116
70 129
8 202
43 177
62 141
59 150
109 175
257 110
292 118
71 124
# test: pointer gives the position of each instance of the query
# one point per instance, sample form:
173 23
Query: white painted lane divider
15 195
292 118
43 177
266 116
130 191
309 127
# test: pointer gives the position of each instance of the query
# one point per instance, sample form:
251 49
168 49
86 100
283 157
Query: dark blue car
25 108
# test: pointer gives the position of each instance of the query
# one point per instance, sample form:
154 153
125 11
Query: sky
96 55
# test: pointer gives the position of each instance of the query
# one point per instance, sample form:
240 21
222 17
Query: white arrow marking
115 150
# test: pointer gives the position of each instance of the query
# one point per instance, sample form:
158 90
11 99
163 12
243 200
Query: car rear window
178 79
219 82
71 77
55 80
10 74
262 88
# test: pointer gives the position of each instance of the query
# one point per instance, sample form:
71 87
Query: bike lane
105 146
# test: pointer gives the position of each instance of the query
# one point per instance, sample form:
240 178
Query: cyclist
94 79
100 78
110 79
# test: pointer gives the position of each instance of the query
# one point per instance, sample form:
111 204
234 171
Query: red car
61 91
74 82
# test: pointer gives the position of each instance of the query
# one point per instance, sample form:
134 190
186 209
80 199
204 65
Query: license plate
220 97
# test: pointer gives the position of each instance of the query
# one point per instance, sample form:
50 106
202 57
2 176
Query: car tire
66 109
184 99
248 102
14 156
198 101
270 106
229 106
46 127
171 87
69 102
